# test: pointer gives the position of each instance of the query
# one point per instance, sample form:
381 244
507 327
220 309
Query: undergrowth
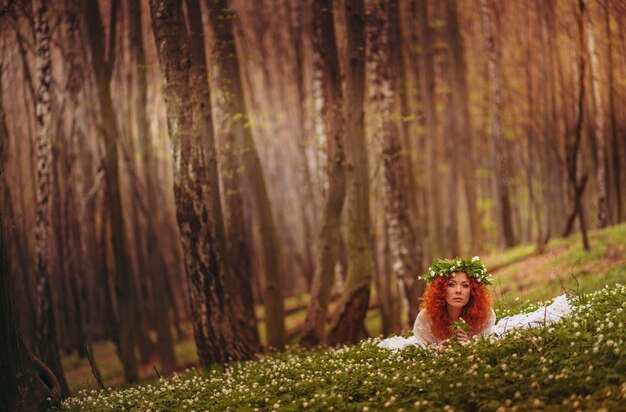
576 363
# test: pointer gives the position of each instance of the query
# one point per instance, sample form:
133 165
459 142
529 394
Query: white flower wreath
473 267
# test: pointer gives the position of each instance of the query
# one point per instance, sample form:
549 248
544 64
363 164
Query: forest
187 169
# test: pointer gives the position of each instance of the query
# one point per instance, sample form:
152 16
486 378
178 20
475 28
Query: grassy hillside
521 279
522 275
578 363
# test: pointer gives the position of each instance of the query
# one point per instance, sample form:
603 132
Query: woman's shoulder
422 327
423 315
422 318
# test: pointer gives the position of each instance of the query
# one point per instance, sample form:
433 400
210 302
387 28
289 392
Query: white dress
422 336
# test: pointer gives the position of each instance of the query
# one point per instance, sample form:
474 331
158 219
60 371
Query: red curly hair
476 312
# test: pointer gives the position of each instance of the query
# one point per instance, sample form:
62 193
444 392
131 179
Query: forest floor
523 277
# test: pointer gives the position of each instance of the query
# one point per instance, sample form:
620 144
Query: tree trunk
124 285
427 85
459 110
404 246
599 124
237 248
616 168
239 279
388 296
157 266
551 187
534 156
500 156
216 332
227 64
327 59
47 343
26 385
573 143
348 321
81 216
59 227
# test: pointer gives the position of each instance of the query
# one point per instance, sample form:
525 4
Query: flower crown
473 267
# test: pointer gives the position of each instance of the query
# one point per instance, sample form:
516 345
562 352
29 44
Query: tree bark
26 385
227 65
215 328
47 343
348 321
237 249
404 246
327 58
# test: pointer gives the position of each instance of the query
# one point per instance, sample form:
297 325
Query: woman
456 305
456 294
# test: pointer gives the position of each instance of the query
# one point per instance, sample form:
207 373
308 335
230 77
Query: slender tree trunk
599 124
81 215
552 188
388 297
495 96
573 143
124 285
144 288
463 126
614 140
427 85
447 148
226 60
157 266
348 320
563 124
327 59
216 332
533 152
403 26
47 343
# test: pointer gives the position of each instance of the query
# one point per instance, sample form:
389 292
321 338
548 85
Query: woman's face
458 290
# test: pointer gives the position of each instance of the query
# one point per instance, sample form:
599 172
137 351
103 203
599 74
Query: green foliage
461 324
577 363
458 325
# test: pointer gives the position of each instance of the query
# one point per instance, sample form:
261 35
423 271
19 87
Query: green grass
523 279
525 276
79 375
578 363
